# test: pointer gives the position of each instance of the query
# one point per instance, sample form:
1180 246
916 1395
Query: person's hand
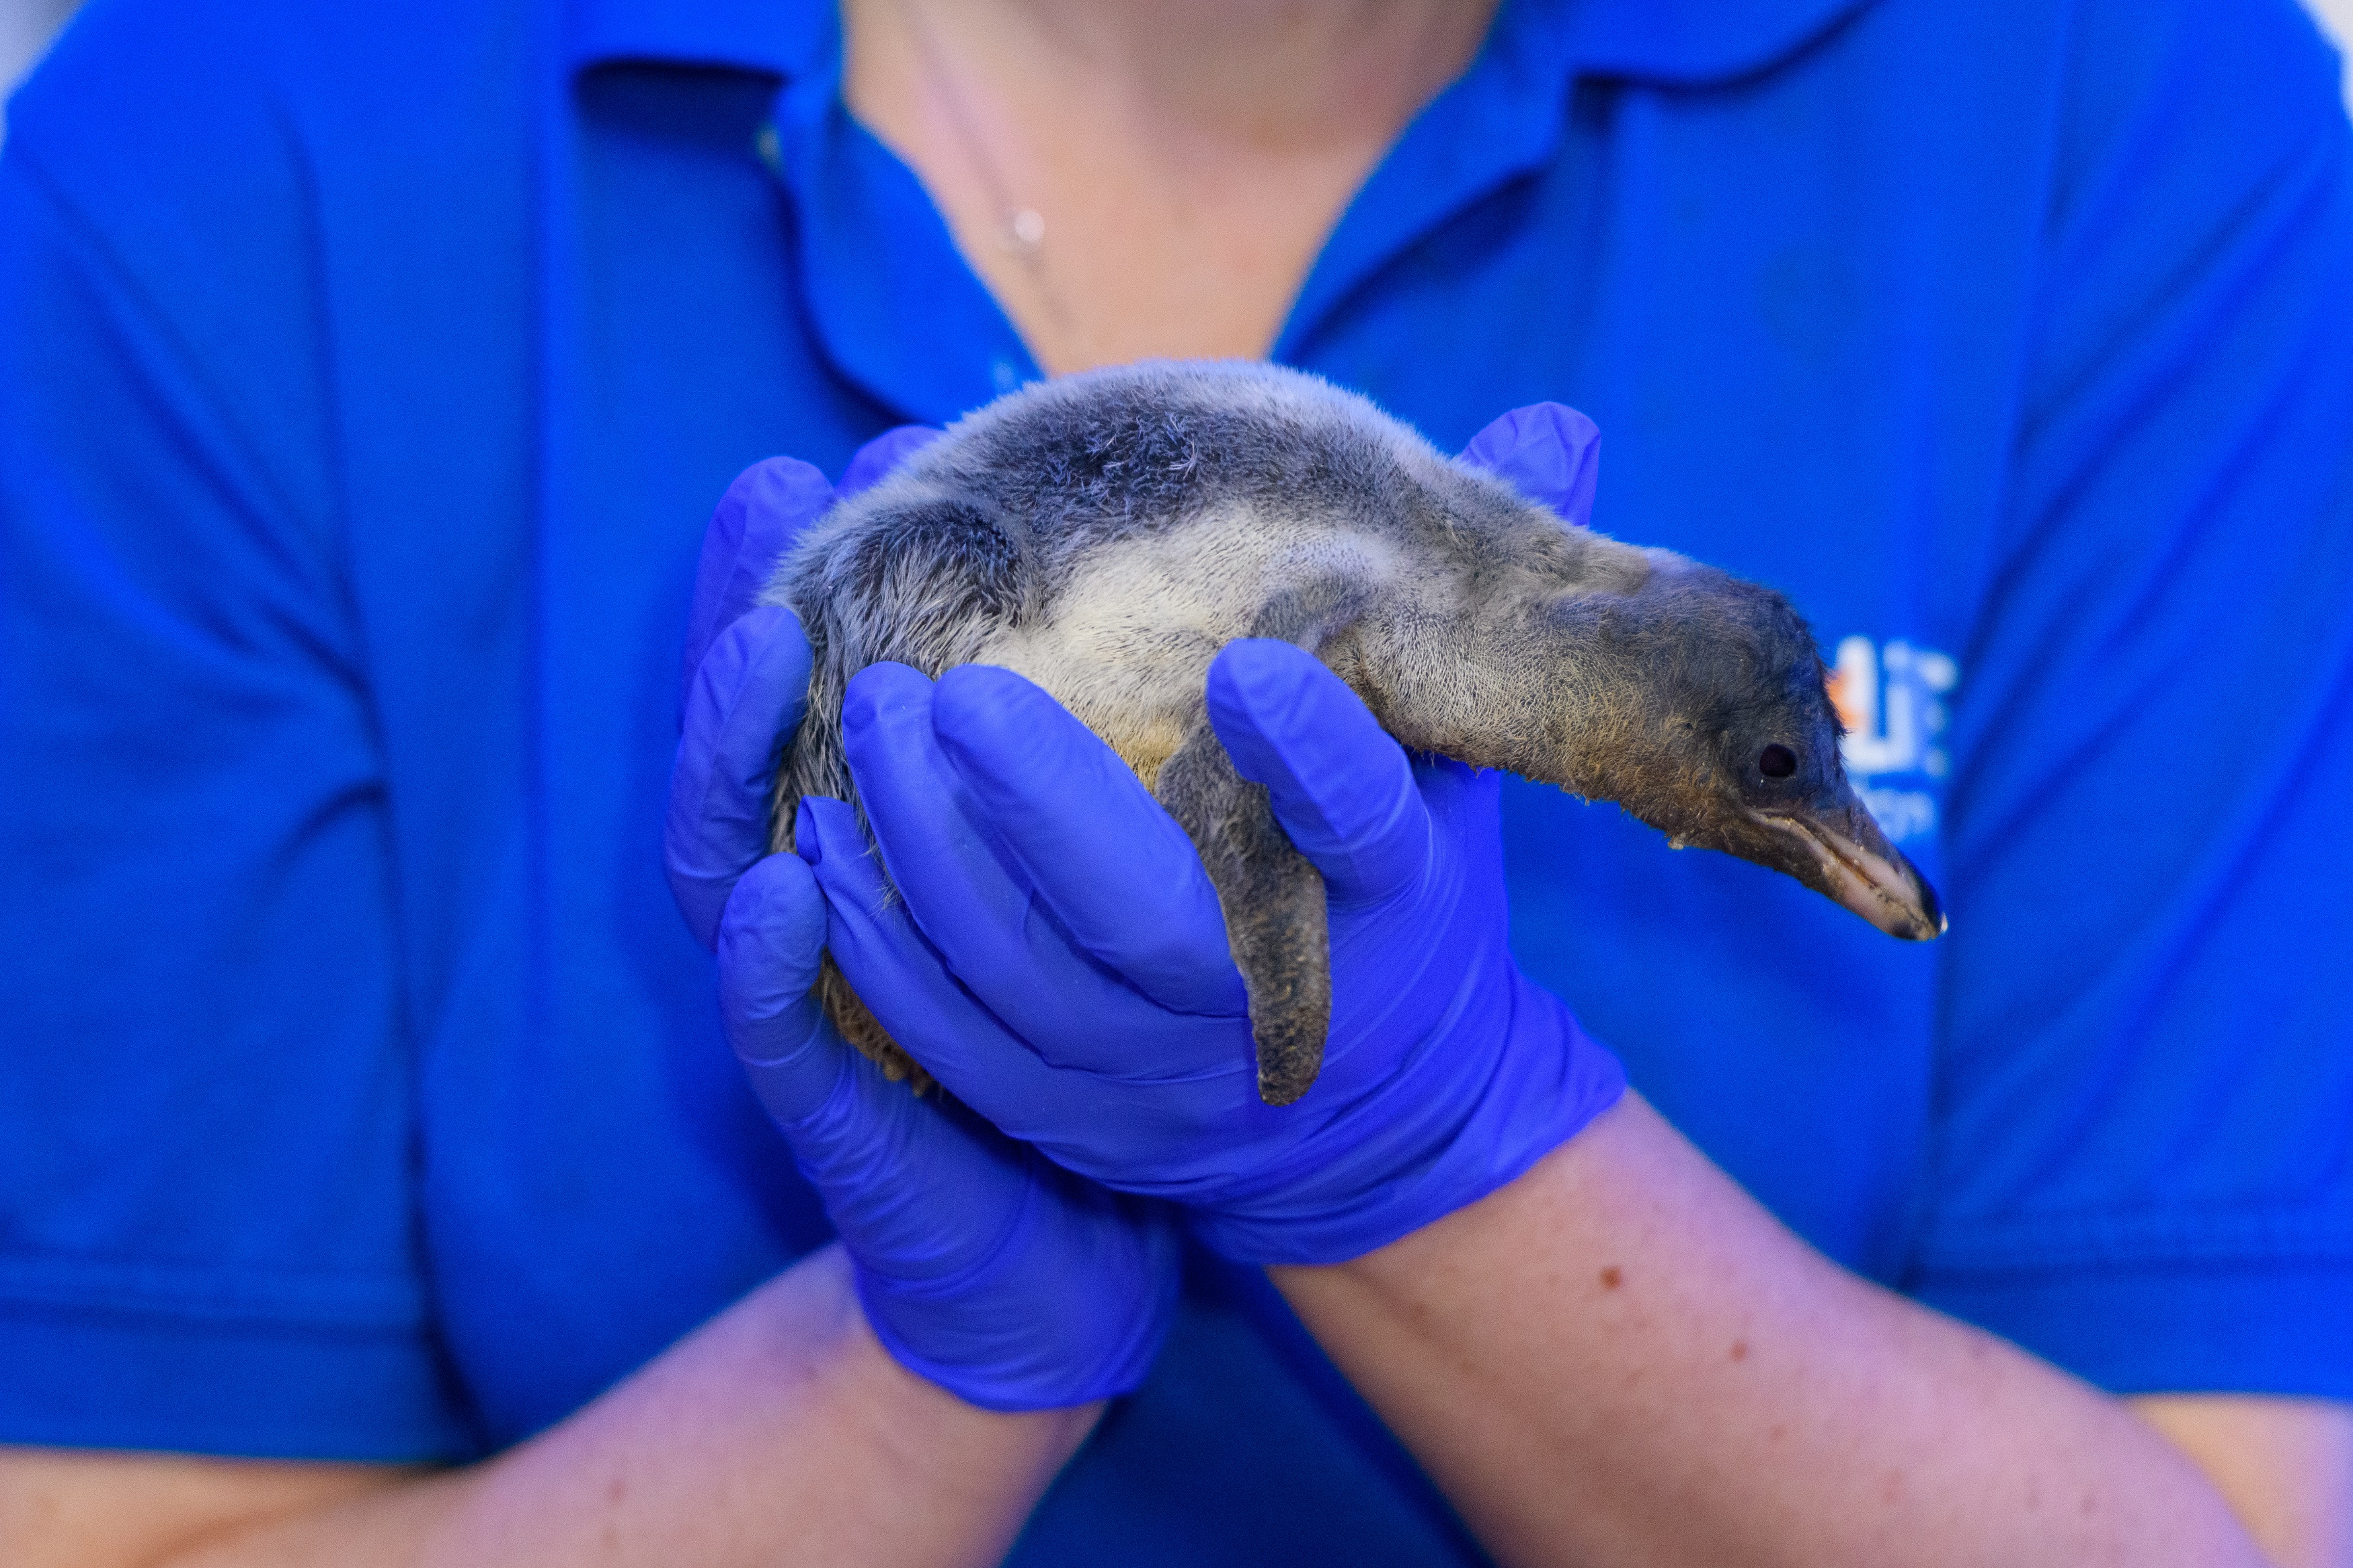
1059 963
980 1265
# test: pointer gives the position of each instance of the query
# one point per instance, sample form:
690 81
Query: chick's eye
1777 761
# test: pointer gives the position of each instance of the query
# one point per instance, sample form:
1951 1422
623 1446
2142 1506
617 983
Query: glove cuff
1001 1343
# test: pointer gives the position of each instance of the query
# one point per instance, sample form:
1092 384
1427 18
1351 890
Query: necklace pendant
1024 232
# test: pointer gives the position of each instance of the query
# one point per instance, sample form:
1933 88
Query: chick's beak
1842 853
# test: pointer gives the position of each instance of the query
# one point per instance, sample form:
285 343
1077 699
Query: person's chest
718 279
1761 380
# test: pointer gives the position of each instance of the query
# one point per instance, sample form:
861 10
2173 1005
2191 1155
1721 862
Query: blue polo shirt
366 376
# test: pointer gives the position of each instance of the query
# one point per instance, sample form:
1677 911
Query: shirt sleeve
2143 1165
206 1225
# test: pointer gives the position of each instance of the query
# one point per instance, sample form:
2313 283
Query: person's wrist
900 1409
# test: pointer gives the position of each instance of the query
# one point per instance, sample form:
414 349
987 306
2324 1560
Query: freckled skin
1105 535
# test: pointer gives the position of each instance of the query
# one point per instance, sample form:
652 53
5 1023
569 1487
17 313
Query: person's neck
1264 73
1178 163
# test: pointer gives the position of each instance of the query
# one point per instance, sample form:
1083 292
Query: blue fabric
367 378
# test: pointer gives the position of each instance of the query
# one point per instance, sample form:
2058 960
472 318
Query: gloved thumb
873 462
768 503
770 940
1548 452
1339 785
747 697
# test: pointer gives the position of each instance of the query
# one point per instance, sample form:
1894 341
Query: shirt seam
2182 1239
216 1294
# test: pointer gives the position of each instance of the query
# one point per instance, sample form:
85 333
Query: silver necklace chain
1020 228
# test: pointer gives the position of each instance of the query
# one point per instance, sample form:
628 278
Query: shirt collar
1501 119
771 37
1694 43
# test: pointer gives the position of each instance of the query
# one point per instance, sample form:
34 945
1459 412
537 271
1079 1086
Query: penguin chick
1106 534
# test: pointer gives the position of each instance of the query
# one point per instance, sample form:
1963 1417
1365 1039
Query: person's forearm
781 1432
1621 1358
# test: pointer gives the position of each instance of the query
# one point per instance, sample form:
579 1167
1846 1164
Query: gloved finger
1117 872
961 896
901 1178
769 942
767 505
1033 969
747 698
873 461
905 1178
984 1063
1340 785
904 982
986 923
1548 452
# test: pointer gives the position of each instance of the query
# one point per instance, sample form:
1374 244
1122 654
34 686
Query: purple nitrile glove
1548 452
1060 962
980 1265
